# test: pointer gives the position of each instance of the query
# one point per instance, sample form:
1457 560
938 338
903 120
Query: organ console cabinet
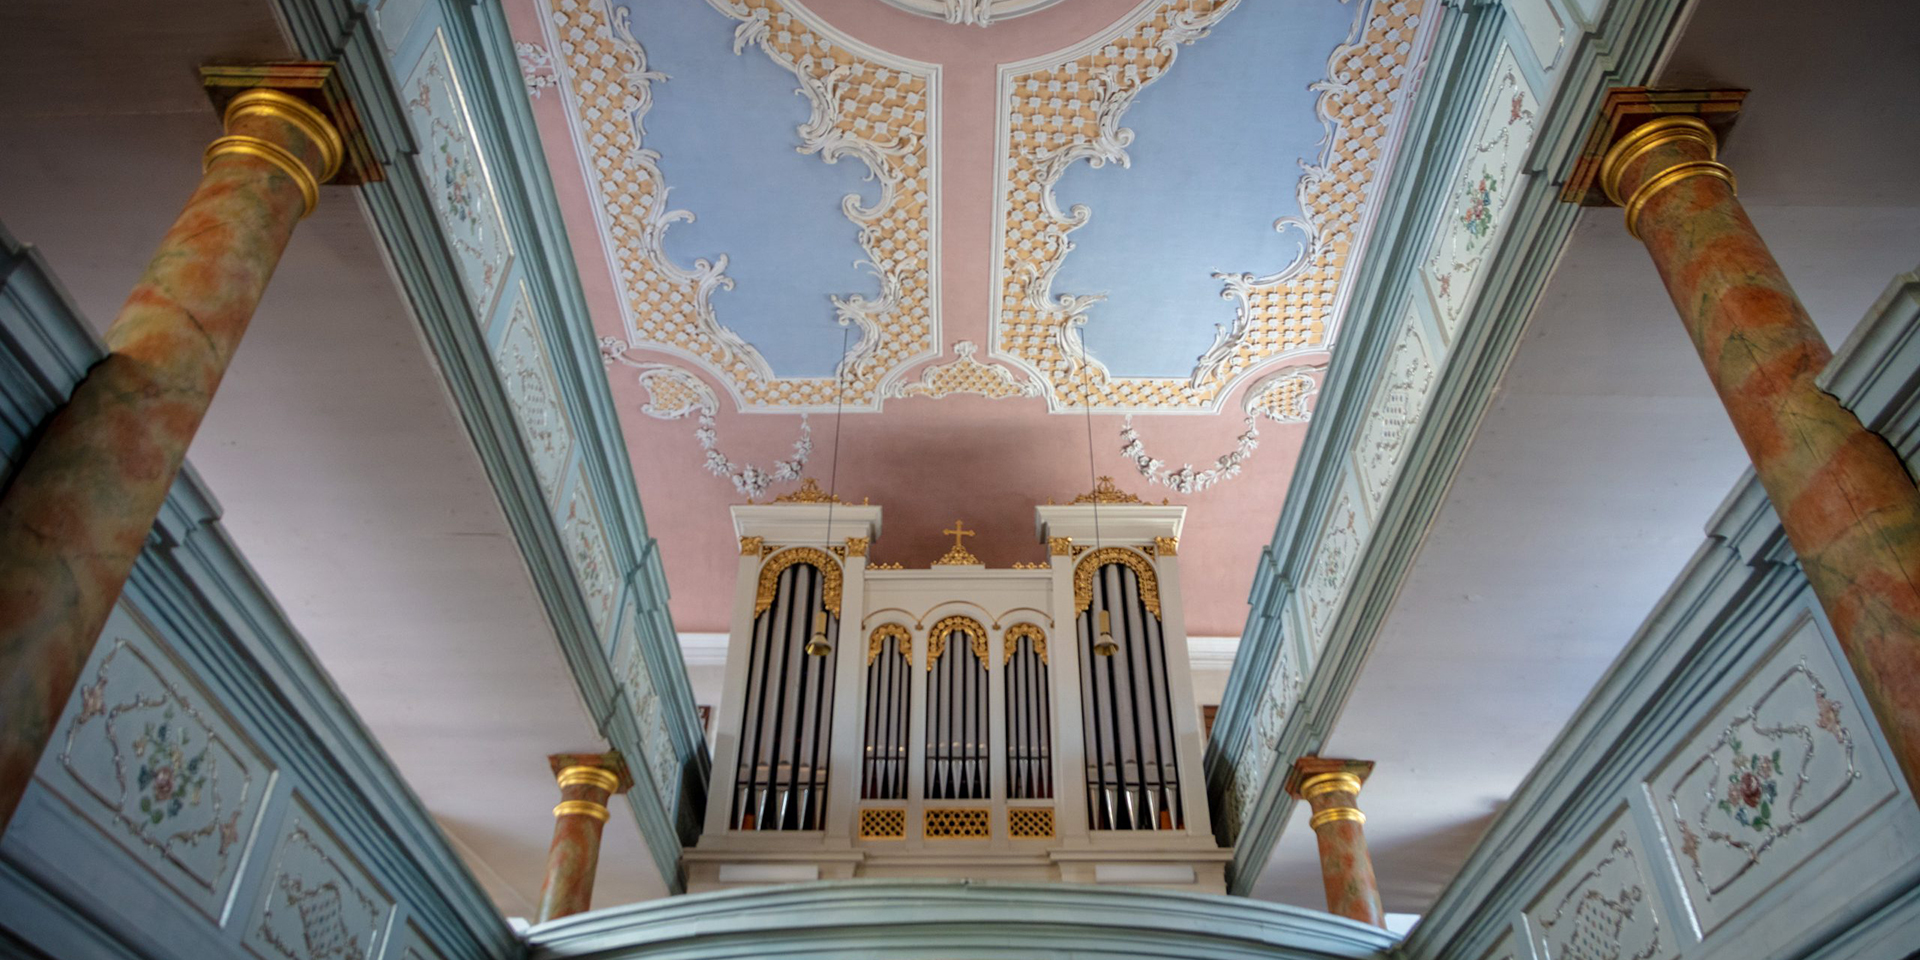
1035 723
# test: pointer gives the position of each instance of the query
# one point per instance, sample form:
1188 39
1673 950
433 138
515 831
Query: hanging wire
1086 403
839 404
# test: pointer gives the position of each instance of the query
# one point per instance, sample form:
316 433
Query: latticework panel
957 823
883 823
1030 822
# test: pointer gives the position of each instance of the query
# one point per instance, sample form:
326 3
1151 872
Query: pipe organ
1036 723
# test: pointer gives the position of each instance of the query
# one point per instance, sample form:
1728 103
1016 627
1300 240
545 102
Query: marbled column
79 509
586 782
1331 789
1843 496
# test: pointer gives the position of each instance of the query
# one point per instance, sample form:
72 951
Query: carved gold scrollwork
770 577
1028 631
975 633
1090 565
877 640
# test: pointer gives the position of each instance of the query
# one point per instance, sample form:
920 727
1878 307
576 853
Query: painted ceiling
1016 245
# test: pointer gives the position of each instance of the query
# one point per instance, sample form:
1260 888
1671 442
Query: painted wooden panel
1604 905
1412 369
145 754
1341 539
456 176
1489 178
413 944
586 543
643 698
316 902
533 390
1783 767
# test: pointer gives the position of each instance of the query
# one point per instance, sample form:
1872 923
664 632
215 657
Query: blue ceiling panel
724 125
1216 160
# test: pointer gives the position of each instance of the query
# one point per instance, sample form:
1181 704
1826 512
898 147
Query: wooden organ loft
1035 723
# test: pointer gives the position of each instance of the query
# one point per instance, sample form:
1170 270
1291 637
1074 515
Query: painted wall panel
533 390
317 902
1783 768
1490 177
456 173
1604 906
146 755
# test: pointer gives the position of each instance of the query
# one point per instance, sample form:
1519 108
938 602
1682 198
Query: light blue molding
908 919
402 211
202 597
1714 622
1620 51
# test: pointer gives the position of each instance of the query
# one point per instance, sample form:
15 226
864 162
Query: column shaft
1331 789
78 511
1847 503
574 857
586 781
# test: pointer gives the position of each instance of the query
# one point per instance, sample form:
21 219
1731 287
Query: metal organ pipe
1128 709
781 775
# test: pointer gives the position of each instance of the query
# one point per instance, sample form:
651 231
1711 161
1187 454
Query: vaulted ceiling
1099 238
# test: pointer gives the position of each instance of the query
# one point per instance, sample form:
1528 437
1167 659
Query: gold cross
959 530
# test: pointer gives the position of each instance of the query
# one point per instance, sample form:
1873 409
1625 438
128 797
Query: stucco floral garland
674 393
1187 479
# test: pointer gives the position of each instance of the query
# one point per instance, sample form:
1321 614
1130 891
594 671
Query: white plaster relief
674 393
1286 395
1187 479
586 544
1067 108
1399 401
1489 177
964 374
533 390
1331 568
864 104
1603 906
536 67
457 178
147 757
978 13
317 903
1782 770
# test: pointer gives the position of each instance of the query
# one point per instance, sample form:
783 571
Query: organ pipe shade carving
821 561
1029 719
1133 779
781 780
883 773
1084 573
957 763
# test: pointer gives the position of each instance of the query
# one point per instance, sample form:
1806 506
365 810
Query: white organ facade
1034 723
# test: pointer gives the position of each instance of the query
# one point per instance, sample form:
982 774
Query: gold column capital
1622 113
857 546
606 771
1166 546
1060 546
751 546
1313 777
309 95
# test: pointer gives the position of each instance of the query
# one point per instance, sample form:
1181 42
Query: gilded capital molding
1313 777
1622 112
607 771
1060 546
277 87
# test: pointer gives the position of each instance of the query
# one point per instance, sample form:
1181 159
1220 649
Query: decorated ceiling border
878 109
1087 90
